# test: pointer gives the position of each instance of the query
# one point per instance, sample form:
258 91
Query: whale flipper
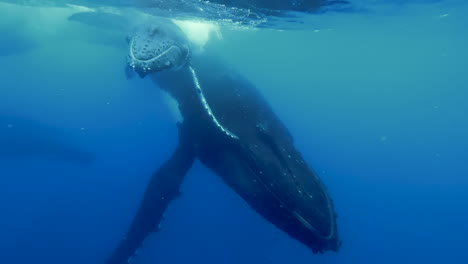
161 190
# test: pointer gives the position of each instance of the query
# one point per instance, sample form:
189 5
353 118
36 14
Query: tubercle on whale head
157 46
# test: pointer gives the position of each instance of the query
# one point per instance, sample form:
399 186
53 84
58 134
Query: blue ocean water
376 101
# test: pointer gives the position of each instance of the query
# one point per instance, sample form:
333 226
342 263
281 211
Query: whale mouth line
134 58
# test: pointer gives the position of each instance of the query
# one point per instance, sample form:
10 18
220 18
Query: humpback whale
227 125
101 20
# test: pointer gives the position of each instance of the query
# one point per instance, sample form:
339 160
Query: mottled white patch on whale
199 32
172 105
80 8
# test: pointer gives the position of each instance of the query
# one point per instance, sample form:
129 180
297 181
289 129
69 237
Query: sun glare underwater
374 95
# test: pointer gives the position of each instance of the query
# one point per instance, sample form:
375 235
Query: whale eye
153 30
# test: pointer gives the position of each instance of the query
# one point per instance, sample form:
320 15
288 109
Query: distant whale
232 130
100 19
22 138
13 41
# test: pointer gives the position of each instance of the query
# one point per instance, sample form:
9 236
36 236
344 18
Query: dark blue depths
376 103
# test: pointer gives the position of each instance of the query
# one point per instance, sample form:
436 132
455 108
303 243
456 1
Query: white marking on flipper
303 221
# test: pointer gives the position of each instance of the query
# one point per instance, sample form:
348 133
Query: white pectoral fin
173 106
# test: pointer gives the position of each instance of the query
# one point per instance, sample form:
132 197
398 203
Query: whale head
157 46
